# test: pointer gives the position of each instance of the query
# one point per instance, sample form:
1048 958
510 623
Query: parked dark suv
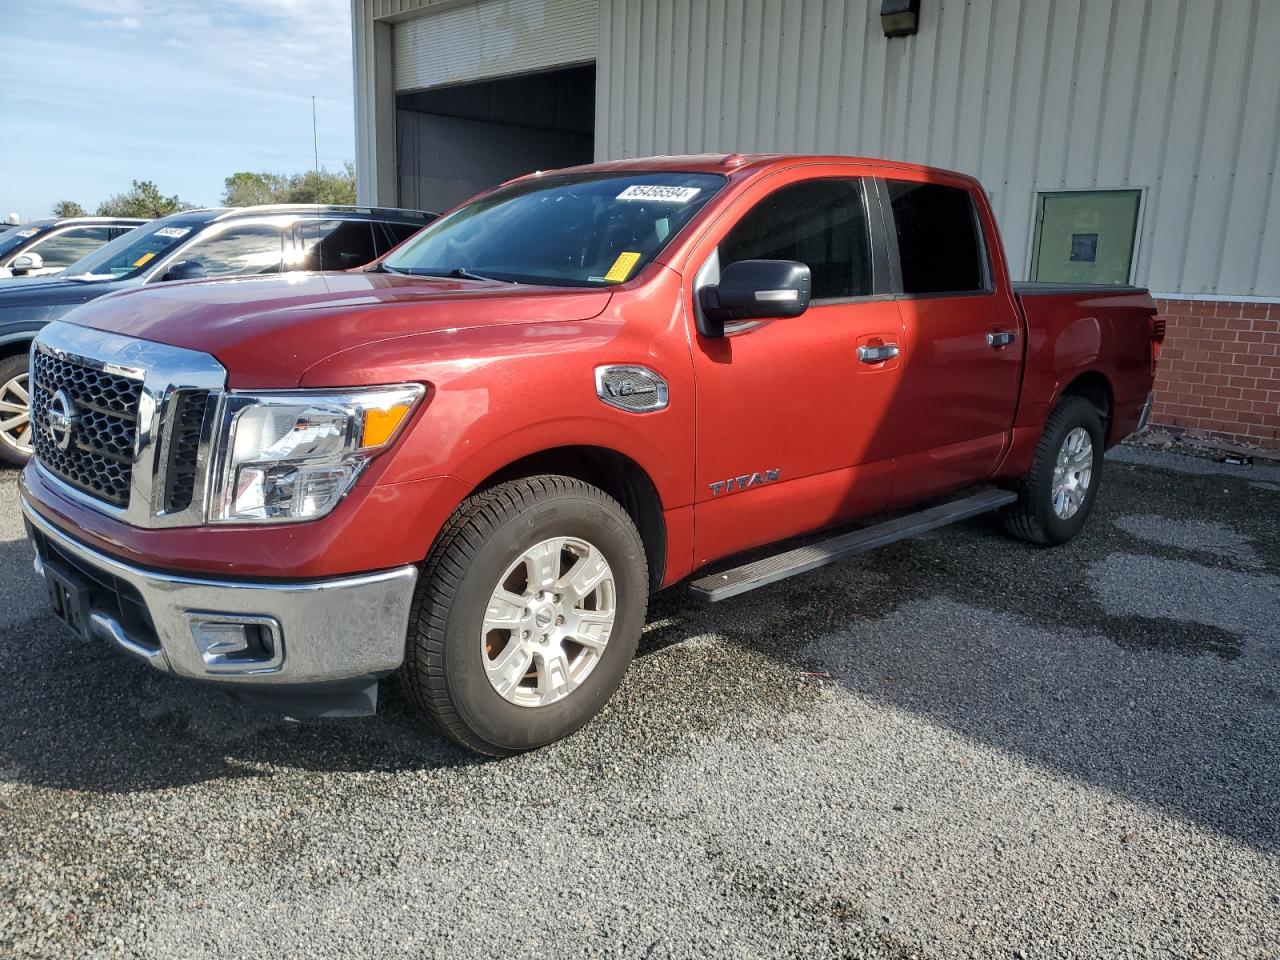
197 244
48 246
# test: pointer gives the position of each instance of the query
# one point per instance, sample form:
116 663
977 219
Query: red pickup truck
471 464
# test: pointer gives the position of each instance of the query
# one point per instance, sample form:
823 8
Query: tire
1035 517
486 545
13 383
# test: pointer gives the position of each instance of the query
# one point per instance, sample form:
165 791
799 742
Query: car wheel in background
527 614
15 410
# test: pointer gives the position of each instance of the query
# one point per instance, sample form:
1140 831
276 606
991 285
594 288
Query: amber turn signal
381 425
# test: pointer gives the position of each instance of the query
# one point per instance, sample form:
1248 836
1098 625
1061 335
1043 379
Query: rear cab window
939 239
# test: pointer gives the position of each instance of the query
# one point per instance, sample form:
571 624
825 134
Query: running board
721 586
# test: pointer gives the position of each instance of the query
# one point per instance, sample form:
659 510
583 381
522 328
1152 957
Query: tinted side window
937 238
821 223
64 249
240 251
399 233
336 244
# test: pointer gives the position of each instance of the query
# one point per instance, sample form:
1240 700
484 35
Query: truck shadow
1138 665
1022 650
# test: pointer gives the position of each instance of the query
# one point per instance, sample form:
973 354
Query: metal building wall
1179 97
492 38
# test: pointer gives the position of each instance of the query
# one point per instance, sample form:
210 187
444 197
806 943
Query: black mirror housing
754 290
185 270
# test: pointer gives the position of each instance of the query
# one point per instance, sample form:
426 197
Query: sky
96 93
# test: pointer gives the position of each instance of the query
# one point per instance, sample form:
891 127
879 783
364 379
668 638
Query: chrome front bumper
243 633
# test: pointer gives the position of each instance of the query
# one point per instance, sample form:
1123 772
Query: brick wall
1219 372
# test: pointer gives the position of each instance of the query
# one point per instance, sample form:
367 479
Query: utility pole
315 139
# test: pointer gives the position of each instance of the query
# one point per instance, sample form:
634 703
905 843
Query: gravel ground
956 747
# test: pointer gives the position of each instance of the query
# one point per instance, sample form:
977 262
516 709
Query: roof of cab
731 163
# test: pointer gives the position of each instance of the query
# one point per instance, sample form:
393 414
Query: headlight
293 456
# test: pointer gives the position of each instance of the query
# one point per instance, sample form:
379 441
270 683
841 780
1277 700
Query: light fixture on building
899 18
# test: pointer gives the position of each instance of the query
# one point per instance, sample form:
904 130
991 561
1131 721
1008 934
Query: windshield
575 230
134 250
15 237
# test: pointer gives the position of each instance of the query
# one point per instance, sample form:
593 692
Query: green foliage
68 208
246 189
143 199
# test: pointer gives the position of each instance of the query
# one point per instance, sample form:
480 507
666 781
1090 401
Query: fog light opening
236 644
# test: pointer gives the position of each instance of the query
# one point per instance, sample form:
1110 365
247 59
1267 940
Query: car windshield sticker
143 260
621 268
175 232
658 193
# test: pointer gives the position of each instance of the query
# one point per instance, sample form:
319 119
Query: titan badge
744 482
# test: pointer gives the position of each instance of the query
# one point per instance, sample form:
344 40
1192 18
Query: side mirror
754 290
26 263
184 270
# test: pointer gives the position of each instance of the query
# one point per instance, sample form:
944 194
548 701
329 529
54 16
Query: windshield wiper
462 273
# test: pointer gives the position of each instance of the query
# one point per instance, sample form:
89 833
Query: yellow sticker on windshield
621 268
143 260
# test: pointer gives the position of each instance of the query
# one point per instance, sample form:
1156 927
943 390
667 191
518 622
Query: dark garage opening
452 142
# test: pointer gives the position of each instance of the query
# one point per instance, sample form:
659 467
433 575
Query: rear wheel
527 614
1057 495
15 410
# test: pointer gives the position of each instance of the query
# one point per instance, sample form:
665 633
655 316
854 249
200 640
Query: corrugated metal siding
493 38
1179 97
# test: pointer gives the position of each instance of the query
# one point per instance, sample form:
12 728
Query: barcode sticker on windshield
621 268
658 193
175 232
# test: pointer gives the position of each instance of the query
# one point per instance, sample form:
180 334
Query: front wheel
1057 495
15 410
527 614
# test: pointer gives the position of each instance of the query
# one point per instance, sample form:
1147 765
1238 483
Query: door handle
877 354
1000 338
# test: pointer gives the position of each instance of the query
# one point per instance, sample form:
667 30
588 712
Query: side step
721 586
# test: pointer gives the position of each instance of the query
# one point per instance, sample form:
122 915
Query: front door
962 343
792 433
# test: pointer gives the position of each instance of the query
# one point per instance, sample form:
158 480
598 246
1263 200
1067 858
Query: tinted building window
937 238
821 223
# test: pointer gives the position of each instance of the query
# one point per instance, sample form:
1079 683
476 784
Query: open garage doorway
452 142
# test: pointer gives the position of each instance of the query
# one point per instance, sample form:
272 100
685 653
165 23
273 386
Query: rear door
962 343
791 427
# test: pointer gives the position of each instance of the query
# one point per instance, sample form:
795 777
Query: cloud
121 23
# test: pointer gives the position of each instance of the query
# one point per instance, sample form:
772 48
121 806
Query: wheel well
14 348
617 475
1095 388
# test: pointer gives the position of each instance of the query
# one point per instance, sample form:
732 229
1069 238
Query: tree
143 199
68 208
246 188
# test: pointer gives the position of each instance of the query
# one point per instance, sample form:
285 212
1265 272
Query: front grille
184 450
99 459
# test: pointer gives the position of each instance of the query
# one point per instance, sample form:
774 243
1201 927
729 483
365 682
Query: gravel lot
957 747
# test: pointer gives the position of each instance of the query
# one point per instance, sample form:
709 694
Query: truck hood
268 331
